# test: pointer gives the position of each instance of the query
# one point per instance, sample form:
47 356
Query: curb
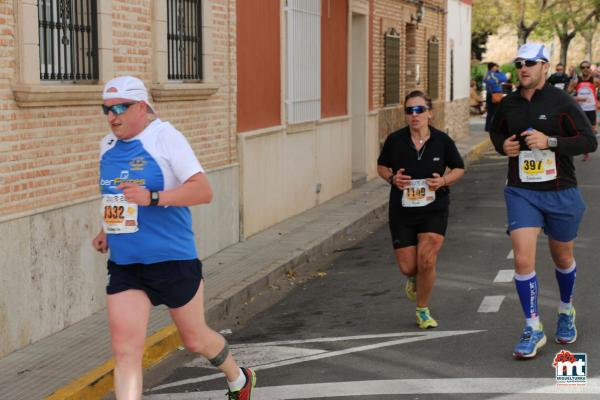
98 382
477 151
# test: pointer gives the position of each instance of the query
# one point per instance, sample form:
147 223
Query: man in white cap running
149 176
540 128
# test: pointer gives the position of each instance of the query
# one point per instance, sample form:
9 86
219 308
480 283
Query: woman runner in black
414 161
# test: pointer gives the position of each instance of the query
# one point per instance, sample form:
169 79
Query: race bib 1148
417 194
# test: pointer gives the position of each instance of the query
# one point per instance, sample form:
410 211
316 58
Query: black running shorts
591 116
404 226
173 283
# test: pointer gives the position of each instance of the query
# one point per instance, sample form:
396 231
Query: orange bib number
118 215
417 194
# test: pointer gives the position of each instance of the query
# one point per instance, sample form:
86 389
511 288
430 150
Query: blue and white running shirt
159 158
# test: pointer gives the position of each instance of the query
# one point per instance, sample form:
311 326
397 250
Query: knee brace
221 357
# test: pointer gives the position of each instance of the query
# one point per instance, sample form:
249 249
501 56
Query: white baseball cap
126 87
532 52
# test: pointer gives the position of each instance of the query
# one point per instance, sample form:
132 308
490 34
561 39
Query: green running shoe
424 319
411 288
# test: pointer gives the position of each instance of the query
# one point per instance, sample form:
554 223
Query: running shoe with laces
244 393
424 319
411 288
566 332
531 341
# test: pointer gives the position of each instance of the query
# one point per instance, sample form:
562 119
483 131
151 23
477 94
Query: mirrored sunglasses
416 109
116 109
528 63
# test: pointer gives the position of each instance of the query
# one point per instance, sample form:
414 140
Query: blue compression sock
566 282
527 288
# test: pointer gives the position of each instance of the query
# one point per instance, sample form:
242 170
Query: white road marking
510 255
400 386
260 355
504 275
490 304
406 337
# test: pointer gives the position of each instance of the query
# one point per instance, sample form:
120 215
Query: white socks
239 383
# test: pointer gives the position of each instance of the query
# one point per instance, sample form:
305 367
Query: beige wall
51 276
457 118
282 167
372 144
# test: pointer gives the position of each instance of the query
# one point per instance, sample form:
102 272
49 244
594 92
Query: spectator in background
493 85
475 100
507 87
559 78
586 93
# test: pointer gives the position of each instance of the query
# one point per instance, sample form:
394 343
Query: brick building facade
269 152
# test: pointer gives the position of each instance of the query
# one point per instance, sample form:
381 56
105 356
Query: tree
588 36
529 14
485 22
478 44
523 15
568 18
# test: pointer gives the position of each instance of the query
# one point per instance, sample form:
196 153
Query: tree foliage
545 19
523 15
566 19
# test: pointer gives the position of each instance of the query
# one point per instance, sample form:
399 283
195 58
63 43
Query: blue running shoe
531 341
566 332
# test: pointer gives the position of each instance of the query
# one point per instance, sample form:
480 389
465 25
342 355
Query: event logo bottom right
571 368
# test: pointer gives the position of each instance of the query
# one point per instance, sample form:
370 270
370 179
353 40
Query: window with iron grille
433 61
68 40
392 68
184 39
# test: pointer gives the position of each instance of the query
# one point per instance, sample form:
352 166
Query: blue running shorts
557 212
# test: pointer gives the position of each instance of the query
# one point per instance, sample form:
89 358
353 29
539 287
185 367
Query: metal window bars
184 39
68 40
392 68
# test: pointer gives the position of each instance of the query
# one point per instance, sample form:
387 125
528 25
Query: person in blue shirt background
493 84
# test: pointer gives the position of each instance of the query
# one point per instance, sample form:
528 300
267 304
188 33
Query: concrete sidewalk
76 362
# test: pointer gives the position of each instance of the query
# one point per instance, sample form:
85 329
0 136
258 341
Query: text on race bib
537 166
417 194
118 215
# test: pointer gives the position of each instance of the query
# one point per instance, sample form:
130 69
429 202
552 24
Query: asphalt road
349 332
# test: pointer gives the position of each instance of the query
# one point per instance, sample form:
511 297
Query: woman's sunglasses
527 63
416 109
116 109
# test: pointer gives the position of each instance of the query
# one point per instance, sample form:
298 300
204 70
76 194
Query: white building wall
459 40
